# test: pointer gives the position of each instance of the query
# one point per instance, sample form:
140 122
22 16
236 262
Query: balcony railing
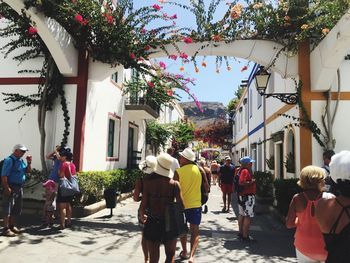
141 104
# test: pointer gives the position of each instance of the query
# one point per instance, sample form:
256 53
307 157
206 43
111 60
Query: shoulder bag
69 187
175 222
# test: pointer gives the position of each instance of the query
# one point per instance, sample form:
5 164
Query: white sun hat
340 166
164 163
188 154
148 165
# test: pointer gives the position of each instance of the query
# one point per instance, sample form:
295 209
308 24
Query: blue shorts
193 215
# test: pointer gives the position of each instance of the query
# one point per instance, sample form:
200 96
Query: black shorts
154 230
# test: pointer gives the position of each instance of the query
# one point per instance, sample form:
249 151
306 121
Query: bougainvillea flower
183 55
156 7
196 69
162 1
150 84
236 11
143 30
325 31
109 19
132 56
162 65
170 93
84 22
182 68
147 47
187 40
204 65
173 16
244 68
32 30
79 18
173 57
216 38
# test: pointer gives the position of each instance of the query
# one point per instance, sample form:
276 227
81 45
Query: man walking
190 179
226 175
246 197
13 176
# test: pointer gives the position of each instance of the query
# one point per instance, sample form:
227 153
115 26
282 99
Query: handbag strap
70 172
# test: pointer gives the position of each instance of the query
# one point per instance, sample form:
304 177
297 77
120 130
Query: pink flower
79 18
32 30
183 55
85 22
156 7
187 40
162 65
169 93
143 30
150 84
173 16
173 57
132 56
165 15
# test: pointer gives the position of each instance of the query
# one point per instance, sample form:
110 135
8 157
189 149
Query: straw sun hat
160 165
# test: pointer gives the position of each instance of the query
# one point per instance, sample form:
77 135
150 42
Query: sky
210 85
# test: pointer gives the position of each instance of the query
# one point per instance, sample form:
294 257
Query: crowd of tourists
173 193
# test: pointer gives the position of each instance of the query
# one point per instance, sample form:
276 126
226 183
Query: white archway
56 38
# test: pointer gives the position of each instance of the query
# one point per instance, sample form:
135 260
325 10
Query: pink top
65 168
308 236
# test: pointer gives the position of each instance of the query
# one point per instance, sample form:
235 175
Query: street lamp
262 77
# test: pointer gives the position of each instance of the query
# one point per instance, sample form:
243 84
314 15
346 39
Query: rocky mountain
211 111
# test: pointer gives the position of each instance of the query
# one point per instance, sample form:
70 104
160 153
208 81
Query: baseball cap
20 147
246 160
227 158
340 166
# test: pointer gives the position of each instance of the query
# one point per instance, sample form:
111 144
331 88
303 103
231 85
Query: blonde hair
311 177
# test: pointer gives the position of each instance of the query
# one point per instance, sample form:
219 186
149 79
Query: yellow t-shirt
190 179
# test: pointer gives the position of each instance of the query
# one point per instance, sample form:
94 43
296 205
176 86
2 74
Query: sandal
182 257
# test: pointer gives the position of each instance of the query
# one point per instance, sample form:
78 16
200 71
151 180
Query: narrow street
98 238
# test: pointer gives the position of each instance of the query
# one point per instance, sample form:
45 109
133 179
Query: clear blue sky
210 86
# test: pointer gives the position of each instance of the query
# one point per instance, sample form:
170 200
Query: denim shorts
12 204
193 215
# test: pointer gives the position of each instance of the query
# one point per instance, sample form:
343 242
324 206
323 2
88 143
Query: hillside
211 111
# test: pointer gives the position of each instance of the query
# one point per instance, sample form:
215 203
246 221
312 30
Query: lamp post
262 77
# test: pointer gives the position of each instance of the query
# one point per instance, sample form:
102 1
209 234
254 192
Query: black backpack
238 188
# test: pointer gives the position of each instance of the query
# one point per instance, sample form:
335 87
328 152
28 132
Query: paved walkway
98 238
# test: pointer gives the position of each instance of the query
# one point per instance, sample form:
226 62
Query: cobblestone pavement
99 238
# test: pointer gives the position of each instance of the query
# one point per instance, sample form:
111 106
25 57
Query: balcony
140 108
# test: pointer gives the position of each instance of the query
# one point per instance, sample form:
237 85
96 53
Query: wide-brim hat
164 164
340 166
188 154
148 165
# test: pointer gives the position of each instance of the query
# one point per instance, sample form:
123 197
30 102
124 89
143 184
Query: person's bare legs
194 241
224 200
62 208
245 226
145 251
228 201
170 247
240 224
69 213
183 240
153 248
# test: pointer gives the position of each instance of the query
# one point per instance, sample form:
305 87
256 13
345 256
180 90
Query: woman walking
333 215
308 241
159 190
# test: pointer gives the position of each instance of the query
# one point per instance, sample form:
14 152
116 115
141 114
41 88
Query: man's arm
29 167
5 185
6 169
204 177
176 176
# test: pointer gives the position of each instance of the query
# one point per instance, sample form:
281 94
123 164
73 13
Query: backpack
238 188
2 163
204 193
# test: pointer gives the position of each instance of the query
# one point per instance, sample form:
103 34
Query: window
113 136
114 77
